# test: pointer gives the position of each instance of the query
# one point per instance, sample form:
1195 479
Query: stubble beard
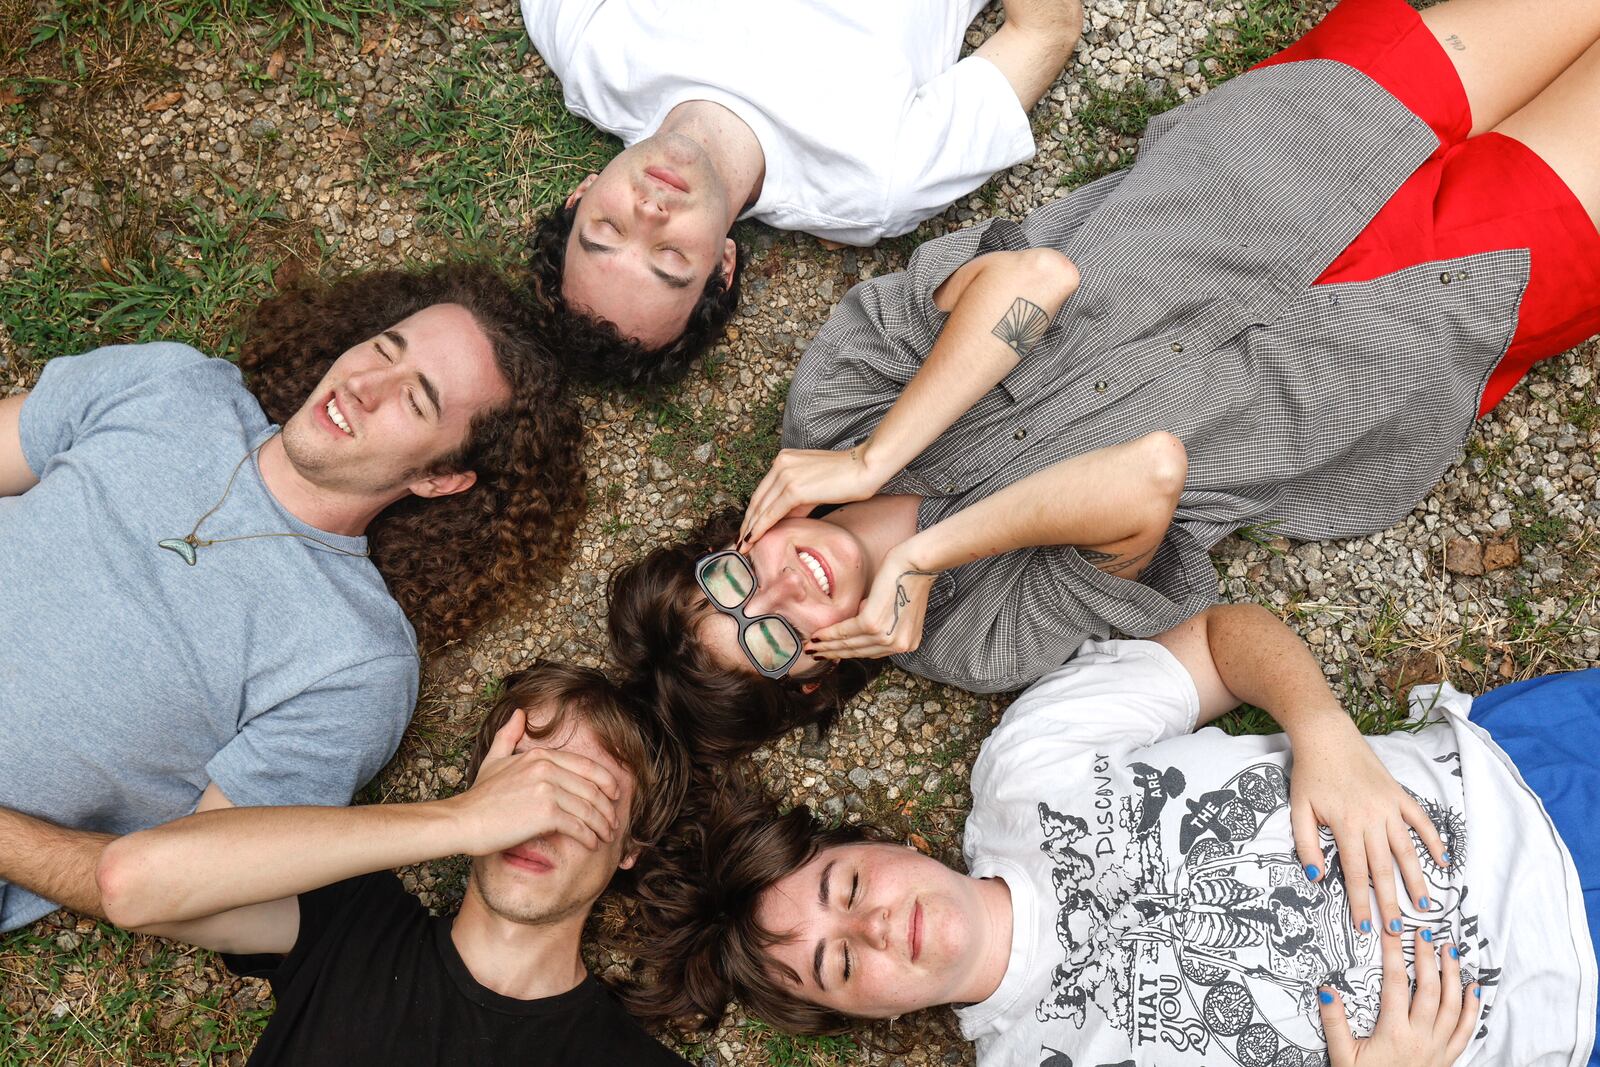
321 467
504 902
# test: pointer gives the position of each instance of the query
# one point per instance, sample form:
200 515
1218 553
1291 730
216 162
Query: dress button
1101 387
949 487
1444 279
1176 347
1019 435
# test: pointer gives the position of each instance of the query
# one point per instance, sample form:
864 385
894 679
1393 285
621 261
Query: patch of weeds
734 461
183 277
1264 534
1489 457
1124 113
1537 524
785 1050
1538 646
116 998
1093 170
486 145
1261 31
1583 413
323 91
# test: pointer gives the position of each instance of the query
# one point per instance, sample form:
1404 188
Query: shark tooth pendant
183 546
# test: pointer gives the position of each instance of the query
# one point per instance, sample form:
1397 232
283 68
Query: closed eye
412 398
847 963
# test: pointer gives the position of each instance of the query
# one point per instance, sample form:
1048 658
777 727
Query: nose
368 387
872 928
777 592
647 208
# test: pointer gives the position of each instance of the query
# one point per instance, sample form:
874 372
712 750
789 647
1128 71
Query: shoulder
625 1040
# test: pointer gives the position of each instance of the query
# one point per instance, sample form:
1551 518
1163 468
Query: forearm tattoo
902 596
1022 326
1112 563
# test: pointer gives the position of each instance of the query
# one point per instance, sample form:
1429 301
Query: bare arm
16 476
1000 305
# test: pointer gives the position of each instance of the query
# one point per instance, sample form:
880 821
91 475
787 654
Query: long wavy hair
655 615
692 912
594 349
452 562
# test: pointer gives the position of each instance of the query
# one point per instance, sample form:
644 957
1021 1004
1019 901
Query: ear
810 687
583 187
730 257
628 861
444 484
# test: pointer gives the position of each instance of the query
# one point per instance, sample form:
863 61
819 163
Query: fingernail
1394 926
1448 858
1455 953
1422 902
1312 871
1366 926
1478 992
1325 996
1426 935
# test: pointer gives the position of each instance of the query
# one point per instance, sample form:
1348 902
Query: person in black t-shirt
568 783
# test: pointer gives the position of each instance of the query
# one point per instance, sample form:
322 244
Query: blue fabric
277 668
1550 727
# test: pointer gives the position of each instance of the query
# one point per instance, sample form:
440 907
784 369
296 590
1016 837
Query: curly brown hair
594 349
692 915
655 613
451 562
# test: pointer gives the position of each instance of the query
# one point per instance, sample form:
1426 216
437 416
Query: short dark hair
593 349
626 727
693 910
656 608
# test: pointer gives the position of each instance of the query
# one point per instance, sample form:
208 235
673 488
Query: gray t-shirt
129 680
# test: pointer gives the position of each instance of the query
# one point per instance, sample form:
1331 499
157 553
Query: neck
325 509
731 146
880 523
523 961
996 955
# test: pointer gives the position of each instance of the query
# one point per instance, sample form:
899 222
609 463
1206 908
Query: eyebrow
822 898
673 280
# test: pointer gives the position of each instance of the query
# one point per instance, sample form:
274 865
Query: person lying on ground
1315 276
568 783
1140 891
719 635
199 608
850 122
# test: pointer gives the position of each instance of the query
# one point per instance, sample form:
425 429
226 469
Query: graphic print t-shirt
1161 915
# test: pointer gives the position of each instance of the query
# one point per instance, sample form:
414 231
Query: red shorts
1473 195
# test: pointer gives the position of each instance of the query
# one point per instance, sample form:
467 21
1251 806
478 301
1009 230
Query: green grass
1265 28
784 1050
1123 113
100 995
178 272
486 146
738 459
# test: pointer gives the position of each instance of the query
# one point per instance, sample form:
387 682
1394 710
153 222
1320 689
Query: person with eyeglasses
722 630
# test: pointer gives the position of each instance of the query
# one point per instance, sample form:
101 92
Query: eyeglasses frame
745 621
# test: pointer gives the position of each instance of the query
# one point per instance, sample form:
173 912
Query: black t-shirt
373 978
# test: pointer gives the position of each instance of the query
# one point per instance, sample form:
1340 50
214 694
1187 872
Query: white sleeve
1127 694
962 128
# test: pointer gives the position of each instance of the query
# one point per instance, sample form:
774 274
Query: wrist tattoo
902 597
1022 326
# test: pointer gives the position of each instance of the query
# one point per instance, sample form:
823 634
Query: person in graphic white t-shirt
851 121
1143 892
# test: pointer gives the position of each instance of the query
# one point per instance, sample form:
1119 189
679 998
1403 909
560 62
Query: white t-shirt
1161 915
868 122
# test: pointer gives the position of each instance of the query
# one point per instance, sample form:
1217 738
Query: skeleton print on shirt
1213 945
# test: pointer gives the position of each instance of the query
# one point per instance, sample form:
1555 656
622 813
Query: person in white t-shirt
1142 893
850 121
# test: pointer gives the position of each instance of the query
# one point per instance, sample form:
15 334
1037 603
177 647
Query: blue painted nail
1448 858
1422 902
1426 935
1366 926
1394 926
1312 870
1455 953
1325 996
1478 992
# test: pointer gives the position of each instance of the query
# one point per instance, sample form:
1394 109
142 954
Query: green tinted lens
728 580
771 643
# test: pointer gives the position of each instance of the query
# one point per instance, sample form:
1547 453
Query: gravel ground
1489 579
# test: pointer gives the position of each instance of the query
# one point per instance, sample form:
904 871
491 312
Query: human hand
801 479
1427 1028
1337 781
518 796
889 621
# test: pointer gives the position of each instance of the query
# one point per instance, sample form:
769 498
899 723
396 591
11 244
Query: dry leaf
920 843
275 65
161 103
338 133
9 96
470 21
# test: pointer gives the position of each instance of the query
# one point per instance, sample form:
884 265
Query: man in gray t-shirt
189 616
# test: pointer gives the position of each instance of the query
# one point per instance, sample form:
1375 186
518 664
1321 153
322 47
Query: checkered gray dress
1319 411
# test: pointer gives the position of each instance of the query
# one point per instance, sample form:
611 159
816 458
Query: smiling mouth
914 931
337 417
819 572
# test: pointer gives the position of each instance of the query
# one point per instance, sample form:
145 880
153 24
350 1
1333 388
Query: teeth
338 417
816 572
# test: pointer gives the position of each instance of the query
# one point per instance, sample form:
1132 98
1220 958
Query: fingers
1472 1007
1405 857
1336 1028
1308 845
506 738
585 768
1380 869
1418 820
1394 998
1425 962
591 824
1354 860
1450 991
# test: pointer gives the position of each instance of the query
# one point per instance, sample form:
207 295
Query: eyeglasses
729 581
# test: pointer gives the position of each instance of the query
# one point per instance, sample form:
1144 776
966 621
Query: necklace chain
186 546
